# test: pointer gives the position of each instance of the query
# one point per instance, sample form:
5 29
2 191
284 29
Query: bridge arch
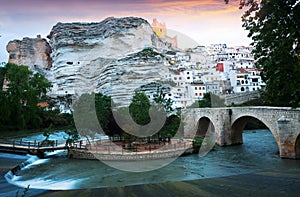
239 124
203 126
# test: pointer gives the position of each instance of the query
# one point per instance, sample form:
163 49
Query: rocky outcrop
32 52
115 57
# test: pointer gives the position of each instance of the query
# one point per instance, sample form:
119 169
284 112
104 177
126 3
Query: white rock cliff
115 57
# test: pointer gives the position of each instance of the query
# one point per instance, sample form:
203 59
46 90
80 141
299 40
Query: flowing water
258 153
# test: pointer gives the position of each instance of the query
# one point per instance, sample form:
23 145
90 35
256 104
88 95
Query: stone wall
240 98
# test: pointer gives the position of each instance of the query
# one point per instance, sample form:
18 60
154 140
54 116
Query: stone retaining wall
85 154
240 98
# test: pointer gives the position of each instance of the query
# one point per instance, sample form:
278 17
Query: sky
205 21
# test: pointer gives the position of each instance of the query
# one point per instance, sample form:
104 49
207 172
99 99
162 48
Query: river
258 153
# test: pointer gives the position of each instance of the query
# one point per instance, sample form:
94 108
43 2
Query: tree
170 127
139 108
25 90
3 71
159 98
274 28
103 111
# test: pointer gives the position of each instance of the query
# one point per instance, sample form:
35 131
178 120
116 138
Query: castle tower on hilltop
159 28
161 31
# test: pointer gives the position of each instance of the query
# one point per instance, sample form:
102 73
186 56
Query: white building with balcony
246 80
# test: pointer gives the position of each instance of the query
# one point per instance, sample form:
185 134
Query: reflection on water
259 152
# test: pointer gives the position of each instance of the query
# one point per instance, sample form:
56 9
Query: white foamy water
42 182
56 153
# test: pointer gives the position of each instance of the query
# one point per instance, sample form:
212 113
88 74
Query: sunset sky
205 21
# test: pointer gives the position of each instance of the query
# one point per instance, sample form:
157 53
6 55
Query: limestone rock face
32 52
115 56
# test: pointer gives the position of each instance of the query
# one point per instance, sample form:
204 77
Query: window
255 80
188 73
188 77
175 78
196 88
196 94
242 89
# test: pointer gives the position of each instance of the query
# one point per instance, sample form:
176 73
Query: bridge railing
30 144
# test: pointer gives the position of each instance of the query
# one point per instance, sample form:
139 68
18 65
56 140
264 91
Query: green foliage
56 119
2 75
197 142
274 28
19 109
170 127
204 103
172 123
87 105
52 115
149 52
159 98
103 110
139 108
73 136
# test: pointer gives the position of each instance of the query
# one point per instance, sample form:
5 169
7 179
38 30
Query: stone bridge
227 124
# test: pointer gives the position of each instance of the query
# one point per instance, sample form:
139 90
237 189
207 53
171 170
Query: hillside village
216 69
